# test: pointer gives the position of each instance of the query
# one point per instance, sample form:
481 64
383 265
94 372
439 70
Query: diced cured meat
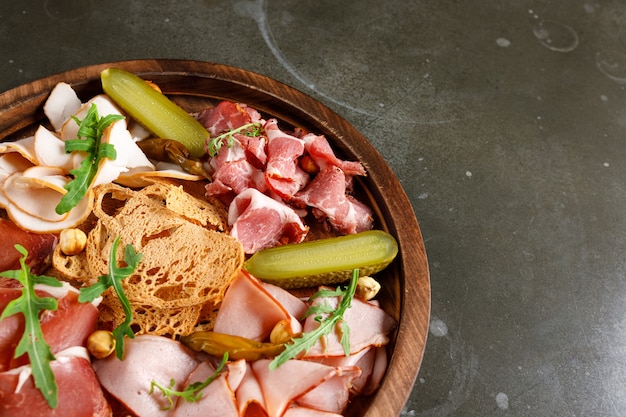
227 116
248 310
217 400
322 154
79 392
259 221
283 173
147 358
39 247
327 194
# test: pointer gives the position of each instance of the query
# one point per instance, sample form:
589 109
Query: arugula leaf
215 144
328 318
90 128
32 342
114 279
193 392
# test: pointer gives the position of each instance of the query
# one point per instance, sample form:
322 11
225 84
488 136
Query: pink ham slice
147 358
217 400
281 387
249 395
333 394
260 222
327 195
297 411
369 326
79 392
248 310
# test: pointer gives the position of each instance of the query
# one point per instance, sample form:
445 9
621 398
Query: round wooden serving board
194 85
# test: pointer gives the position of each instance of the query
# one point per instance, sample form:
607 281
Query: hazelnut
72 241
367 288
101 344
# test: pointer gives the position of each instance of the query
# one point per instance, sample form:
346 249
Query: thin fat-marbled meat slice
283 174
227 115
79 392
260 222
327 194
39 247
323 155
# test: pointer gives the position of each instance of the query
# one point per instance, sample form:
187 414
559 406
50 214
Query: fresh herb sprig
327 317
114 279
214 145
89 140
32 342
191 393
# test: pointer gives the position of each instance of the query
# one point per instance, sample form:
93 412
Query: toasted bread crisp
187 262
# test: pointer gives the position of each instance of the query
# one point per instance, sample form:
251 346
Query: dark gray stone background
504 121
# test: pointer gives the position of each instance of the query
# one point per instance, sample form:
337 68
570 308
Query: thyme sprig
29 304
327 317
253 129
191 393
114 279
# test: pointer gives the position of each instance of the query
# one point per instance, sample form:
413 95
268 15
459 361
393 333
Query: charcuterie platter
195 86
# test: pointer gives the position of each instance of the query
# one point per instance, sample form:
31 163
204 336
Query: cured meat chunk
259 221
327 194
79 391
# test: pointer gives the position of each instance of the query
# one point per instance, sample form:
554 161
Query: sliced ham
79 392
298 411
248 310
369 326
217 400
249 395
327 194
147 358
282 386
333 394
260 222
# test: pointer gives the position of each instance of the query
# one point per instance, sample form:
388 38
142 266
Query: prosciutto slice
39 247
226 116
79 392
327 194
69 325
322 154
259 222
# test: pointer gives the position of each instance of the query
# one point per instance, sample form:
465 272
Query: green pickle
154 110
324 261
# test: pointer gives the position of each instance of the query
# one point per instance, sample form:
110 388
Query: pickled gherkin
324 261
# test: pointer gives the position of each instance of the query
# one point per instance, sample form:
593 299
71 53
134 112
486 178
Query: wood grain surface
194 85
